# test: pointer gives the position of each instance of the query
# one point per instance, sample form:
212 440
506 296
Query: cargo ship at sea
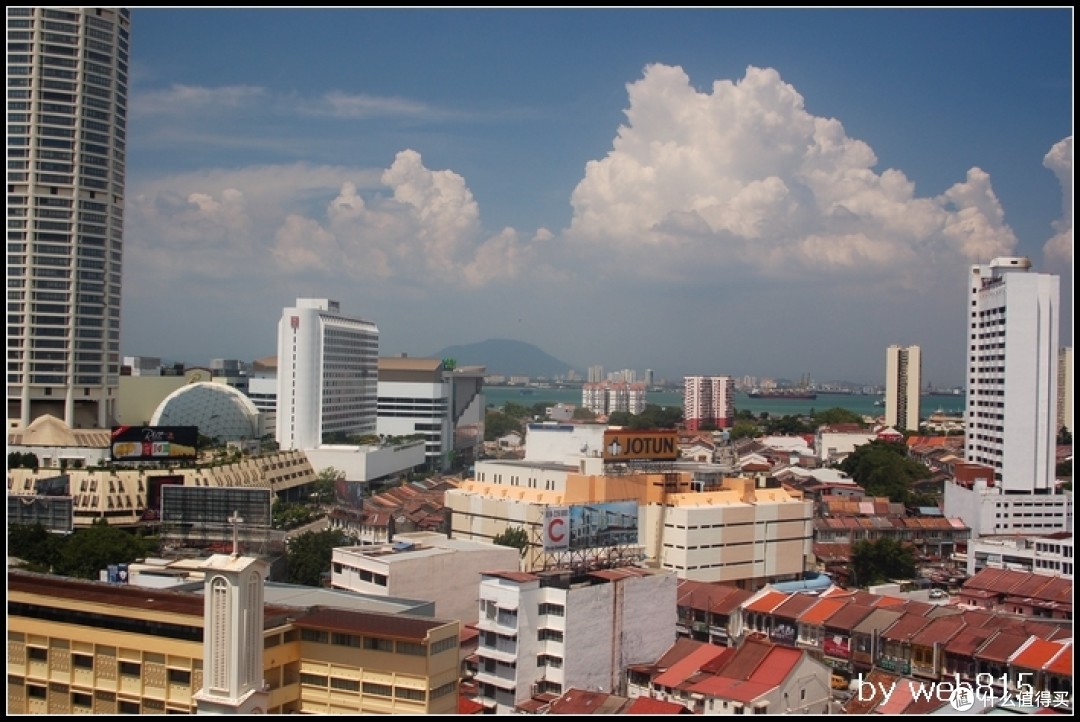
782 394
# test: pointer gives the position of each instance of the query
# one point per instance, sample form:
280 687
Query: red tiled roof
795 605
767 602
1036 654
848 616
1062 663
967 640
1000 647
904 628
776 667
746 659
676 652
468 706
679 671
648 705
733 689
387 625
821 611
939 630
580 701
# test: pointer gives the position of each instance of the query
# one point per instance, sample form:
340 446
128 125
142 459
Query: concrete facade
422 565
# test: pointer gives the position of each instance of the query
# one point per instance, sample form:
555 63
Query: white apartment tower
708 400
67 87
328 374
903 387
1012 373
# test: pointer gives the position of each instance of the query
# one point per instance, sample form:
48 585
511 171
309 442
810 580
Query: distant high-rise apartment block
328 375
611 396
596 374
708 401
1065 389
649 377
1012 373
903 387
67 89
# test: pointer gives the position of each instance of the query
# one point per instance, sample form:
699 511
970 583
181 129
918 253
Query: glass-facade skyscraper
67 88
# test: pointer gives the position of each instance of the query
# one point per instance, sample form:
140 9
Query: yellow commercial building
83 647
737 531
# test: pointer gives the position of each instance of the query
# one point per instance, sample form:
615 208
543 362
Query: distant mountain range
507 357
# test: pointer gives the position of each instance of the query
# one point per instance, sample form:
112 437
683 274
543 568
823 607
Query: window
37 654
411 648
313 680
379 644
82 661
35 692
406 693
130 669
349 685
179 676
381 690
314 635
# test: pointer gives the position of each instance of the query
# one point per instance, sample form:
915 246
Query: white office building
1012 373
1011 417
67 91
550 631
903 387
328 375
444 405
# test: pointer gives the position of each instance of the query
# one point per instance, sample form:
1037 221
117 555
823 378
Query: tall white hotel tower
903 386
67 78
328 374
1012 373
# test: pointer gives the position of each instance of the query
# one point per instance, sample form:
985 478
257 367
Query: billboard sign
556 528
588 526
652 445
154 443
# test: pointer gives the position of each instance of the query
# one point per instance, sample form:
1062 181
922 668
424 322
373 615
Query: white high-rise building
1012 373
328 375
708 401
67 88
903 387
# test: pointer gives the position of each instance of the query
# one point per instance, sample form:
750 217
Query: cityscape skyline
690 184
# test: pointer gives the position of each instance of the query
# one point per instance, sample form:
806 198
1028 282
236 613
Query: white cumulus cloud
745 177
1060 161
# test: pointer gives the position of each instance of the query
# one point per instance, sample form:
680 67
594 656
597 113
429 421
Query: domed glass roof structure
220 411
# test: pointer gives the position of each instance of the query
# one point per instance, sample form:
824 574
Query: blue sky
728 191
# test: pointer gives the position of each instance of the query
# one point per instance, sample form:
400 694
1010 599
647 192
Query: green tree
744 430
1064 437
883 468
837 415
308 556
515 537
86 552
880 561
324 488
35 545
582 413
497 423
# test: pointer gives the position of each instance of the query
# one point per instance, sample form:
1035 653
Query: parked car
938 594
